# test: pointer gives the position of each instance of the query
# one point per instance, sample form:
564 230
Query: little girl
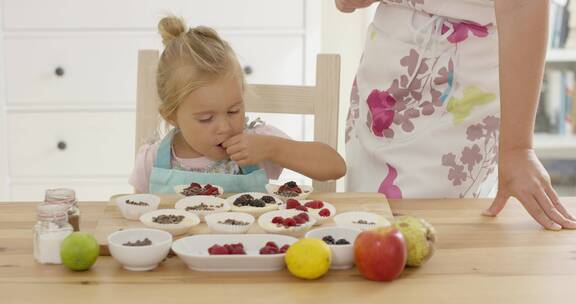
201 87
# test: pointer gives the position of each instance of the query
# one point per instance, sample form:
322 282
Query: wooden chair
320 100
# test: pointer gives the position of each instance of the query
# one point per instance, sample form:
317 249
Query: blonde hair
192 57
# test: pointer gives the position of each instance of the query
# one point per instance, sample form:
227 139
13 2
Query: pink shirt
140 178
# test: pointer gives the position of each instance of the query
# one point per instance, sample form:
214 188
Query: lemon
308 259
79 251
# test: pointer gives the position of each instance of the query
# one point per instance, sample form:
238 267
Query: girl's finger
234 140
234 149
497 205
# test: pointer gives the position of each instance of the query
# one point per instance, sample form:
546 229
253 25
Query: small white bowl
342 255
190 220
315 212
192 201
139 258
306 190
133 212
265 222
179 188
255 211
350 219
213 221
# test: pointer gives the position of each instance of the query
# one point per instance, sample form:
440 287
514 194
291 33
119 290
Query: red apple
380 254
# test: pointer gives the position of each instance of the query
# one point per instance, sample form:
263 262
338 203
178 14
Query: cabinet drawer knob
61 145
248 70
59 71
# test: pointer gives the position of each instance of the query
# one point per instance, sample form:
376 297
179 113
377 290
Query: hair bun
171 28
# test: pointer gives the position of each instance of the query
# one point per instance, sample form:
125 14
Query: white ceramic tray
193 250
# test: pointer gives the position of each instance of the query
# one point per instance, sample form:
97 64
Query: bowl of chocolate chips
175 221
230 222
139 249
132 206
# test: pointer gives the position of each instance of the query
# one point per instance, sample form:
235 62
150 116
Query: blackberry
342 242
268 199
291 184
328 240
243 200
257 203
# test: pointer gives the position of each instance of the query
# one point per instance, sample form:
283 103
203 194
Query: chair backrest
320 100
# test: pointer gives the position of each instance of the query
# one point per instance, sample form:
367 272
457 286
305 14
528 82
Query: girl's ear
172 120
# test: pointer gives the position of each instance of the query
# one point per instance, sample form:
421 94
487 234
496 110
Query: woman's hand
348 6
522 176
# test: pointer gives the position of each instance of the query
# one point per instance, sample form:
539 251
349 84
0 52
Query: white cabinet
68 84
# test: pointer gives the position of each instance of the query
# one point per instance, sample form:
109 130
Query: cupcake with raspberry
322 211
289 222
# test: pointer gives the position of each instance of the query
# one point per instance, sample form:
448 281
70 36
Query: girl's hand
247 149
348 6
522 176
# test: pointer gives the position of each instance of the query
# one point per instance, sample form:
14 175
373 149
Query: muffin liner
347 219
178 189
190 220
314 212
255 211
214 219
133 212
306 190
196 200
265 222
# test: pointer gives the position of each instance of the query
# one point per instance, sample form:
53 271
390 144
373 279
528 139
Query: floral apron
425 105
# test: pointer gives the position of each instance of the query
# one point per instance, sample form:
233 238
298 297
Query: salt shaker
49 232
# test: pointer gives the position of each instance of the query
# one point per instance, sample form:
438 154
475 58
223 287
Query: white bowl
350 219
133 212
306 190
190 220
315 212
193 250
342 255
265 222
255 211
139 258
213 221
191 201
178 189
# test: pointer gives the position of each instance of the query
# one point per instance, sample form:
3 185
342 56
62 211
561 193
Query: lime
308 259
79 251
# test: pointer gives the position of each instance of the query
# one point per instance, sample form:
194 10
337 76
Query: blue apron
163 177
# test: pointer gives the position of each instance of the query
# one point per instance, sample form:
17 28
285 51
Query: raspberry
314 204
292 204
268 250
303 216
271 244
277 220
217 249
237 249
324 213
290 222
284 248
299 220
301 208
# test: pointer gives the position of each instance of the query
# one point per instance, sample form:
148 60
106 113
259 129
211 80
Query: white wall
344 34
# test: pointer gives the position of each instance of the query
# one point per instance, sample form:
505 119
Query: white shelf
561 56
555 146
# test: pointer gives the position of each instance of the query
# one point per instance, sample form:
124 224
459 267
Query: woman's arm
522 30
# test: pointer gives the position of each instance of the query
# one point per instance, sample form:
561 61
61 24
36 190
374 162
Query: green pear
420 238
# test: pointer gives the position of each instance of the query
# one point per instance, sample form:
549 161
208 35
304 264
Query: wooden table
508 259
